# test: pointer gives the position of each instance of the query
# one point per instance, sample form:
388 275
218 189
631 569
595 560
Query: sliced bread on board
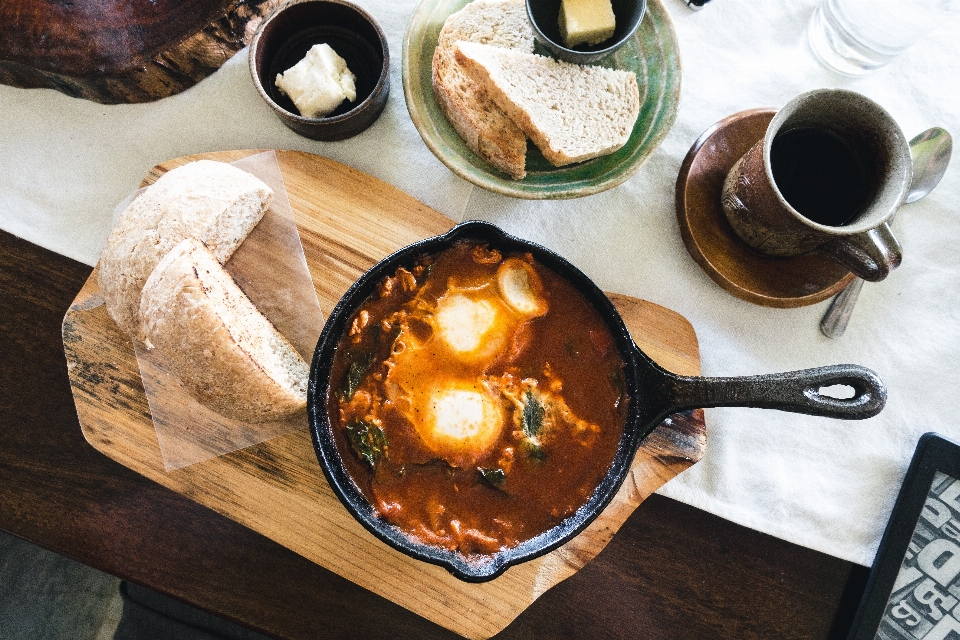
482 125
571 112
214 202
227 354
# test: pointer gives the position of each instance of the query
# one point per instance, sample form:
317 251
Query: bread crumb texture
571 112
214 202
485 128
225 352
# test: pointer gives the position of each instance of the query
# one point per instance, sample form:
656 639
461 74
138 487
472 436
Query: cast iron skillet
653 391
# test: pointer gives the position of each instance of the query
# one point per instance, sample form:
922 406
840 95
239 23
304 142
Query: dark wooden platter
119 51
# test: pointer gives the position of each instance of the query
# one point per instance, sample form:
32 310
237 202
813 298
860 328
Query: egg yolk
465 323
460 421
437 381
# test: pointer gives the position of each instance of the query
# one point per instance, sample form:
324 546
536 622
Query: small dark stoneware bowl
545 15
284 38
654 394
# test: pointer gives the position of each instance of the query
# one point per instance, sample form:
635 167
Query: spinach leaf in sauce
534 450
368 441
493 478
360 362
531 421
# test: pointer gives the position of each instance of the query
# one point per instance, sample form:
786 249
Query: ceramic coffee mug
831 170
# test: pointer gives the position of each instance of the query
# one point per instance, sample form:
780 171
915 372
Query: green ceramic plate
652 54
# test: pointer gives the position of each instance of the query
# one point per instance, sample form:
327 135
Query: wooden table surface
671 572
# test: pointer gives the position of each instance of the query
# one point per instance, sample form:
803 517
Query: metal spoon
930 152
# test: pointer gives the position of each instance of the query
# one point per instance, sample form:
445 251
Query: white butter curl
318 83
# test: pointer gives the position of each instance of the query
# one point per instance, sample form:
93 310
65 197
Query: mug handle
872 255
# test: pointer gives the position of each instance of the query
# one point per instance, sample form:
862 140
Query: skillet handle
795 391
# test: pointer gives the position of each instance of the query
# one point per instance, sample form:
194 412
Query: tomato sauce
477 399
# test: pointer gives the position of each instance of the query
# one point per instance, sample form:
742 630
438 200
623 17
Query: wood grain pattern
348 221
672 571
122 52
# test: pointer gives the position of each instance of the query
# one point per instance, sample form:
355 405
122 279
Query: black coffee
818 174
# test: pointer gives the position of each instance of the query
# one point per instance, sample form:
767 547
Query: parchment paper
271 269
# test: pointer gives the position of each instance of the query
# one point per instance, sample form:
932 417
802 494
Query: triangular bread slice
213 201
227 354
571 112
482 125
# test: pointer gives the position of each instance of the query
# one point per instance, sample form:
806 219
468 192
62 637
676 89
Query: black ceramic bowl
653 391
284 38
544 16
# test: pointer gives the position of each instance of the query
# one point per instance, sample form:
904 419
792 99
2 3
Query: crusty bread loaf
571 112
213 201
226 353
484 127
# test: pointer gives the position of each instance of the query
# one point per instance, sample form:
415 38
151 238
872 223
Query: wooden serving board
347 221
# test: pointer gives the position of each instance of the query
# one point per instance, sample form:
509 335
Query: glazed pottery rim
463 162
332 120
723 277
896 186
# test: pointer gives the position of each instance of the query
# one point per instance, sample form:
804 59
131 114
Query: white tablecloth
824 484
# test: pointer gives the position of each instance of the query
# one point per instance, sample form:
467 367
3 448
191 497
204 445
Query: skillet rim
479 568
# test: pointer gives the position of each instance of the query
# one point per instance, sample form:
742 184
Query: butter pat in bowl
588 22
319 83
322 66
584 31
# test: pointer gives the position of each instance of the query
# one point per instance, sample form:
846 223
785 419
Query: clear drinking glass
855 37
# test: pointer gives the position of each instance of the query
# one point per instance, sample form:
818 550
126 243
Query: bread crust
212 201
478 120
572 113
223 350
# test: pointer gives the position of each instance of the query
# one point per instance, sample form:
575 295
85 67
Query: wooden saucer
752 276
